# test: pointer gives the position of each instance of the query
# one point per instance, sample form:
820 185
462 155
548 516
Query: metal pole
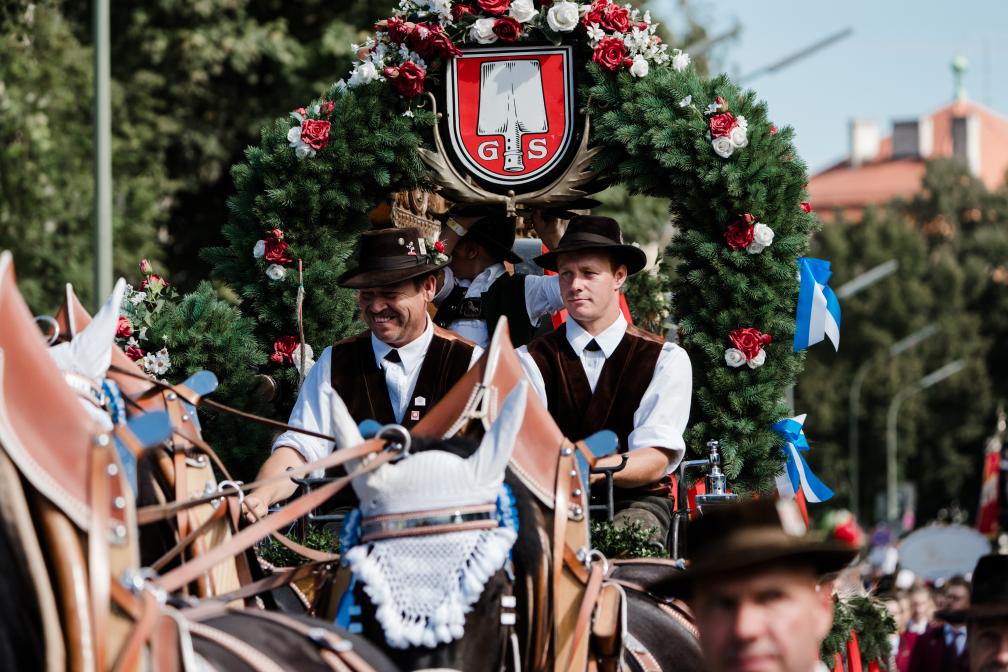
869 277
854 407
892 415
103 155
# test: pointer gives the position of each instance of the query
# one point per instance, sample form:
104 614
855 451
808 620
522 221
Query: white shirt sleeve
447 287
312 411
664 410
532 373
542 296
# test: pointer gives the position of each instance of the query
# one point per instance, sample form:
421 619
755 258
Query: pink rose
328 107
124 329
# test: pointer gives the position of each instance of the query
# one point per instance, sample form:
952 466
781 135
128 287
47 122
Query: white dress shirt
312 410
542 297
661 417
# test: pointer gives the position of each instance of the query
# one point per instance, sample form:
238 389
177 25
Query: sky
894 66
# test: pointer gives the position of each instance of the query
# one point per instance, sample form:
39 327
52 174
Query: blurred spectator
986 615
942 648
920 609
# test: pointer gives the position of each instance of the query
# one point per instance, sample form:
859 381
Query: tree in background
948 259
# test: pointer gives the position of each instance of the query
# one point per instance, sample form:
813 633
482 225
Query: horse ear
344 428
498 443
90 352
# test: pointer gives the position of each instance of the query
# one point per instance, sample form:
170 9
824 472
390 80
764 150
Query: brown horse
74 596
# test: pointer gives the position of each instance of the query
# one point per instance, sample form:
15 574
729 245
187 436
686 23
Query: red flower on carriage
410 80
507 28
315 133
154 281
134 352
327 107
124 329
283 349
460 10
740 233
721 125
806 206
494 7
610 53
749 341
275 251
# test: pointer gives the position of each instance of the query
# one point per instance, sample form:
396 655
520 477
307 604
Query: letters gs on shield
511 113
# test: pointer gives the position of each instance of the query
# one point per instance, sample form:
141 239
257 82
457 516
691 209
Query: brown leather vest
625 376
360 382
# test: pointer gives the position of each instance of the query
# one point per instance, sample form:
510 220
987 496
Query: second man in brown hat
599 372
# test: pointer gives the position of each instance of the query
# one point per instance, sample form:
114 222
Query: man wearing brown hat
598 372
392 373
477 289
985 616
754 584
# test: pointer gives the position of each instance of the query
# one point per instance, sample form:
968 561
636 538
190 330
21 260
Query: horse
539 604
68 533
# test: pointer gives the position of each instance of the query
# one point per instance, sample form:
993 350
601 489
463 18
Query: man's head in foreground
984 610
755 587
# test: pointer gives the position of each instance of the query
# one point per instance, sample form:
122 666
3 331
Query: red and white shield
512 114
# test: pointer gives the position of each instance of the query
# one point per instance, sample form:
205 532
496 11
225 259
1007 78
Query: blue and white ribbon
818 314
796 475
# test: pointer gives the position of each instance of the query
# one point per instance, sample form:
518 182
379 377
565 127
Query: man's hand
255 508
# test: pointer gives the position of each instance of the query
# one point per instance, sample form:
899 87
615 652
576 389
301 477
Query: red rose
642 26
721 125
610 53
410 81
740 233
595 14
439 246
627 62
849 532
460 10
507 29
442 45
750 341
398 30
616 19
276 248
303 112
134 352
315 133
806 206
431 41
283 349
153 281
124 329
773 129
419 39
328 107
494 7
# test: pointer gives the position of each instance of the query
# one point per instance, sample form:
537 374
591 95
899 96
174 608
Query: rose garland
748 348
425 33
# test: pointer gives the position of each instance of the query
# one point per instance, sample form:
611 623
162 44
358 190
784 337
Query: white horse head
86 358
437 479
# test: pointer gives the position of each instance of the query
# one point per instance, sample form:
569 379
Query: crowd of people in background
924 641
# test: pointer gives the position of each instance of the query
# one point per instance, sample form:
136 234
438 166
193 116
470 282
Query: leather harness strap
103 468
275 580
583 624
326 639
130 655
273 522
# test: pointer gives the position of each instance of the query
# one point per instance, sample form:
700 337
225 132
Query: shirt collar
482 282
411 354
607 340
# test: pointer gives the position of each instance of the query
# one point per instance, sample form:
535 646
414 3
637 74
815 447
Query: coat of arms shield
510 115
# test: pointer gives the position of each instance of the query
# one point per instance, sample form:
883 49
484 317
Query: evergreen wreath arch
305 192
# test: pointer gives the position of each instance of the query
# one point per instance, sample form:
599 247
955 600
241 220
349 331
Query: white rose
734 357
639 67
741 122
739 136
762 237
758 360
522 11
362 74
680 61
259 250
276 272
723 147
482 31
562 17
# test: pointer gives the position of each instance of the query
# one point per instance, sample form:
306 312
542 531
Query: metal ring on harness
232 484
51 321
595 553
397 438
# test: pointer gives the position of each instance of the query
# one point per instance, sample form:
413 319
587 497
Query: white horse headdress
423 586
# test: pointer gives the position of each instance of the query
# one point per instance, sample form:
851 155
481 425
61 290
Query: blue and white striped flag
818 314
797 477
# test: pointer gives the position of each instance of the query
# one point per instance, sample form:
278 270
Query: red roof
850 188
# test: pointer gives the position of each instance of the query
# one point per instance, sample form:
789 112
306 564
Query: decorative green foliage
869 620
657 143
632 540
315 538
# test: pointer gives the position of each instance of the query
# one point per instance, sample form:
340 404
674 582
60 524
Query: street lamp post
103 155
933 378
854 407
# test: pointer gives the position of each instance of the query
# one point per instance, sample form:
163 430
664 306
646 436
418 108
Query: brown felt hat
592 233
735 537
496 233
390 256
988 592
